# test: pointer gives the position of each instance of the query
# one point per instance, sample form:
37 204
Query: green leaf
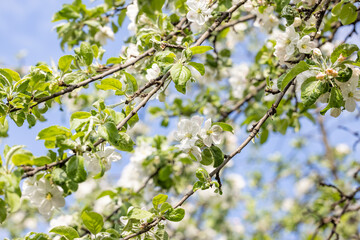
337 9
297 69
114 60
164 207
109 193
65 62
175 215
3 213
207 157
198 66
68 232
11 151
180 74
344 75
59 176
11 75
121 17
125 143
225 126
131 83
312 89
200 49
13 201
52 132
86 52
345 49
75 169
137 213
335 101
93 221
159 199
202 174
218 156
348 14
31 120
22 159
41 161
110 84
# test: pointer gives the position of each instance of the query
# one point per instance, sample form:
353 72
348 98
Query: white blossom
47 197
211 134
132 11
188 129
103 34
199 11
94 161
305 45
153 72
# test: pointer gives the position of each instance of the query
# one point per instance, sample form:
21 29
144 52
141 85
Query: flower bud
335 112
317 52
320 76
297 22
341 58
331 72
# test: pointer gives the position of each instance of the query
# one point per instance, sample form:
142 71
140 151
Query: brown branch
235 22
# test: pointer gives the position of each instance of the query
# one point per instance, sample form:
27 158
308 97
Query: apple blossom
199 11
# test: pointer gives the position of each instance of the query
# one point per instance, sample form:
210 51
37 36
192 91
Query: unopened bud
317 52
297 22
320 76
341 58
331 72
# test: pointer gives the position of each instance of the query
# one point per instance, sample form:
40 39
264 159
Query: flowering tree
179 66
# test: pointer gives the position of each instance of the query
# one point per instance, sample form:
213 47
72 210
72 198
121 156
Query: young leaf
345 49
296 70
137 213
311 90
93 221
175 215
65 62
200 49
159 199
225 126
68 232
180 74
110 84
348 14
86 53
198 66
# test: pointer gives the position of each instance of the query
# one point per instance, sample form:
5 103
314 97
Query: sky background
25 26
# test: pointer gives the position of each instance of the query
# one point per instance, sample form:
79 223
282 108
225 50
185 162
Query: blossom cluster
190 132
289 44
